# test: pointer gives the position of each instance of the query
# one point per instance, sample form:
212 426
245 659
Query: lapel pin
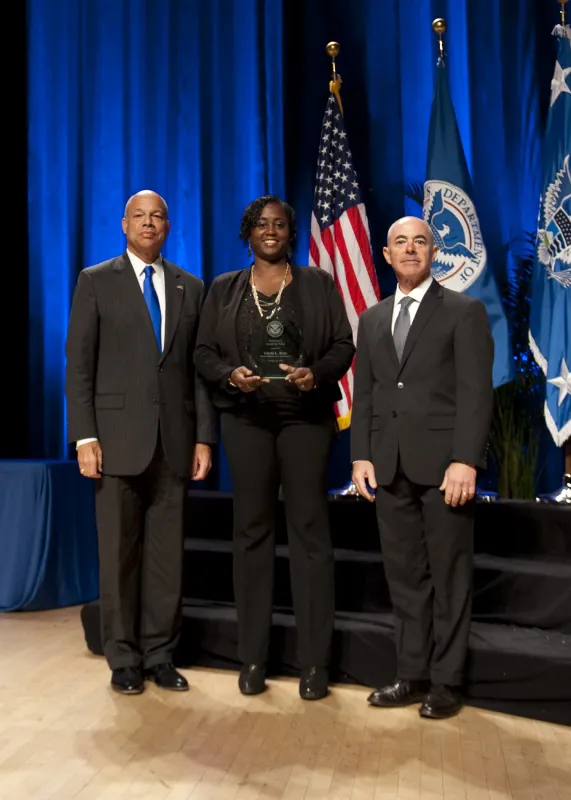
180 287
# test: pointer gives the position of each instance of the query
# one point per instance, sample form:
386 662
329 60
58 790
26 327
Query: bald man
143 425
422 410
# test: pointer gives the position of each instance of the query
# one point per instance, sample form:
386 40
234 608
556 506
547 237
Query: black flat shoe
399 693
314 683
127 680
166 677
252 679
441 702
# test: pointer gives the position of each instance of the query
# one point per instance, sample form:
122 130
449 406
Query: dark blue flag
461 262
550 322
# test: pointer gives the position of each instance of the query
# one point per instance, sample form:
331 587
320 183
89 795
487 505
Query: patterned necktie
152 302
402 326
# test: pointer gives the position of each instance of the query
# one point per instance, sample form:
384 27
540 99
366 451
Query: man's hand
245 380
201 462
363 473
302 377
90 459
459 484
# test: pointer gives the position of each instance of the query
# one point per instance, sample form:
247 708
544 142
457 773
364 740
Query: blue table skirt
48 539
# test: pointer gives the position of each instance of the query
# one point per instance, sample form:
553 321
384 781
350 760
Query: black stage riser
510 591
514 529
518 672
520 645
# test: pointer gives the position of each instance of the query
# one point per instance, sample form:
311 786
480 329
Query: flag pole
562 495
332 49
439 27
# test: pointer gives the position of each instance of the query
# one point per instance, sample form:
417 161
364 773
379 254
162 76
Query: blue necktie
152 302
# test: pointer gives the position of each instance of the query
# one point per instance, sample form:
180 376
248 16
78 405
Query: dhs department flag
550 321
461 261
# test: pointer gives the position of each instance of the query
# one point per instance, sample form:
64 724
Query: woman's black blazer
327 337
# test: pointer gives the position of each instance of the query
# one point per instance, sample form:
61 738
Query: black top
278 398
328 341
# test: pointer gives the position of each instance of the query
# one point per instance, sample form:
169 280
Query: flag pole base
484 496
559 496
348 490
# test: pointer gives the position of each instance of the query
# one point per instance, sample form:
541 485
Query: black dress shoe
252 679
441 702
127 680
166 677
314 683
399 693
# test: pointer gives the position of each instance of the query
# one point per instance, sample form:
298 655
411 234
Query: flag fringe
344 422
537 354
559 436
563 31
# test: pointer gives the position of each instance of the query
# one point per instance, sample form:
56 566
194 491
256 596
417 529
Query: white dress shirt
417 294
158 279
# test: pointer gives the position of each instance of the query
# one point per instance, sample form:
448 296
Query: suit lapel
384 332
174 297
129 289
428 306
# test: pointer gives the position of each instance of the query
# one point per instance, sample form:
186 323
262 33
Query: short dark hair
253 212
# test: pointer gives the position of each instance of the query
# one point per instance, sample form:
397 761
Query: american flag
340 240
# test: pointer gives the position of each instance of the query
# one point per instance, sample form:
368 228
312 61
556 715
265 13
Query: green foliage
518 418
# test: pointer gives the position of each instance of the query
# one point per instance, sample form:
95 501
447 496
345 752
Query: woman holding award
273 343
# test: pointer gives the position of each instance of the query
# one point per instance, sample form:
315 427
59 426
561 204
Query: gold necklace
275 303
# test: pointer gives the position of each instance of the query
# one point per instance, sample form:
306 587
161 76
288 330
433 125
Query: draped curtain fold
214 103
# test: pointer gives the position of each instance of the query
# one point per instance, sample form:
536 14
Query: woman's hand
302 377
245 380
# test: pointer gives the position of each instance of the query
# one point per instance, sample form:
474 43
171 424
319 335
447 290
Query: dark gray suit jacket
433 407
118 388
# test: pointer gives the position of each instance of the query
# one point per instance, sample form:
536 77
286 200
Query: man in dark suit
143 424
422 409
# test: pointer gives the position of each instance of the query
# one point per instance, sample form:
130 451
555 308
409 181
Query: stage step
520 671
514 591
507 528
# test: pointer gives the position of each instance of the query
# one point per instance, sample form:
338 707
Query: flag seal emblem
461 256
275 328
554 233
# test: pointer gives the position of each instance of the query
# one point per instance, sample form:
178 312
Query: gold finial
562 4
332 50
439 26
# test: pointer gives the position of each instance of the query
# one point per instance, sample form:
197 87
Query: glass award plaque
273 342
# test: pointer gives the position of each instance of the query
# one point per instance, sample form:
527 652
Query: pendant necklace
274 304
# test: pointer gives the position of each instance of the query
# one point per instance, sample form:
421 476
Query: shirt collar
139 266
417 293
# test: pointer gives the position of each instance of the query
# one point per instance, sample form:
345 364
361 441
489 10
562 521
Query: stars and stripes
340 240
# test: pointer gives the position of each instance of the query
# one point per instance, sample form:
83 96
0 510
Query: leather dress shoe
127 680
441 702
166 677
252 679
399 693
314 683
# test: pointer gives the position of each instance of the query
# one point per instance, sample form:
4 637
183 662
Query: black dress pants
261 455
427 549
140 535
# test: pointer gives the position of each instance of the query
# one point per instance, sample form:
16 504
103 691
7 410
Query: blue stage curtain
48 543
213 103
